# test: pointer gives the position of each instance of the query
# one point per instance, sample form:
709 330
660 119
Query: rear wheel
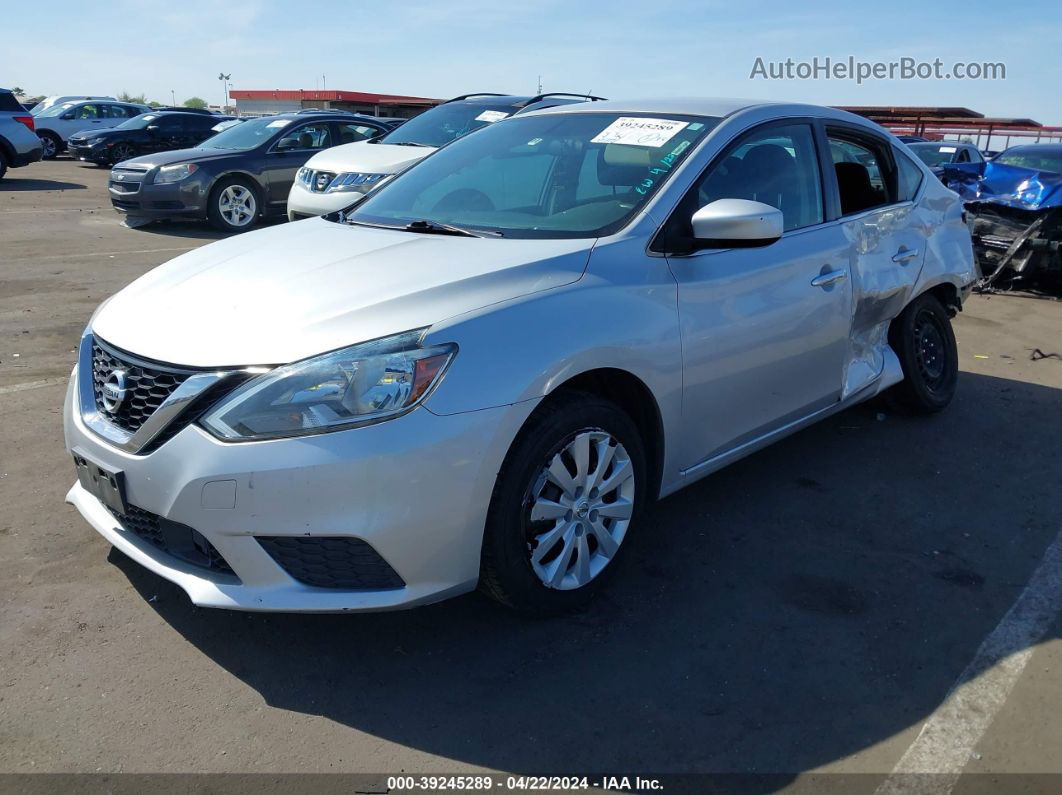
924 341
233 206
3 164
571 491
52 144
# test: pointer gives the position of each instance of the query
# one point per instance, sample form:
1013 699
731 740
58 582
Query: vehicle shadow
195 230
14 183
797 607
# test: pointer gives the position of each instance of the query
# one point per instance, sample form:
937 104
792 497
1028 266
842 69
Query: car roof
927 144
342 115
718 107
1053 148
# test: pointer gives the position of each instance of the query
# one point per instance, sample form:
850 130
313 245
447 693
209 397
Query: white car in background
333 179
56 124
48 102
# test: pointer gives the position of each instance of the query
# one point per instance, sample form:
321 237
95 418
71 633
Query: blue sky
616 49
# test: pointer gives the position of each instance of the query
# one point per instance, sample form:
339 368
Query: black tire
122 151
506 571
924 341
216 213
3 164
52 143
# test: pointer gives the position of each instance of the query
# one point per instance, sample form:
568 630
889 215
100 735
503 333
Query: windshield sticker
534 142
696 125
664 165
279 123
491 115
949 149
634 131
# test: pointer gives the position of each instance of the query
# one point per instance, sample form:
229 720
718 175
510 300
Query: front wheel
233 206
569 495
924 341
122 152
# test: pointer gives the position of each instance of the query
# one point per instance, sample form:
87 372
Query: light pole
173 98
224 78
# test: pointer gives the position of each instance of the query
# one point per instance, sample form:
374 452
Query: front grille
146 387
320 180
125 205
175 539
125 187
332 562
127 180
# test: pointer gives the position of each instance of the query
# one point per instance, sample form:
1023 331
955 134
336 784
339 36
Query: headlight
169 174
362 384
355 182
304 175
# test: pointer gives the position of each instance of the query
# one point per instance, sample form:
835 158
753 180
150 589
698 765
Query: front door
764 330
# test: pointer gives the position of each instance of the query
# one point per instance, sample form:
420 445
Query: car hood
367 158
179 156
94 135
295 290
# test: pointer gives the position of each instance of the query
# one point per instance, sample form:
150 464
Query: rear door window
909 177
863 172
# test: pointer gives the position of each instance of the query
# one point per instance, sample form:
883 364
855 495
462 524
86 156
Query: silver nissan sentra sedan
484 372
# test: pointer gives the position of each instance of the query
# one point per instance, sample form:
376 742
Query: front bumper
303 203
416 489
91 154
184 199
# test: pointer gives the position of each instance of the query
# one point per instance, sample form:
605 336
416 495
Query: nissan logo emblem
113 391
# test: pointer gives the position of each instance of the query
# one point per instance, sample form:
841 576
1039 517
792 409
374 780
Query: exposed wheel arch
632 395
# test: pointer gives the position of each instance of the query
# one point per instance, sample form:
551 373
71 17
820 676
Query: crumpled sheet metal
1010 186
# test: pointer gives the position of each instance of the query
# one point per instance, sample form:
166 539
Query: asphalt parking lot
807 609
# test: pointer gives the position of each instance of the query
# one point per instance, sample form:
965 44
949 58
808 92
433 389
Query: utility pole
224 78
539 85
173 98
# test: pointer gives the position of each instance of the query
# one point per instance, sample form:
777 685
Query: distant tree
195 102
154 104
126 97
18 91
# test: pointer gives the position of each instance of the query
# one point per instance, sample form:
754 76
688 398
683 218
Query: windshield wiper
409 143
433 228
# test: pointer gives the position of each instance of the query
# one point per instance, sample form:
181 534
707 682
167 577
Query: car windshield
137 122
247 135
445 123
549 176
56 110
1030 157
934 154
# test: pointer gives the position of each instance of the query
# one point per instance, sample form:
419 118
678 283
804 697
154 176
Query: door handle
826 279
905 255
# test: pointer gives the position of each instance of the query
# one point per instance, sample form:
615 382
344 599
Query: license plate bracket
105 484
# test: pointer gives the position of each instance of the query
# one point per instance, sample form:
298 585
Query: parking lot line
948 739
116 253
4 390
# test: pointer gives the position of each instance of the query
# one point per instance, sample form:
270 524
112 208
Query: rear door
764 330
875 190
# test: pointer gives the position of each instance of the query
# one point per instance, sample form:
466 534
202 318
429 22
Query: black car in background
158 131
236 176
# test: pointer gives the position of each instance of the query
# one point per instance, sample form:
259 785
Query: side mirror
287 144
152 128
67 116
736 223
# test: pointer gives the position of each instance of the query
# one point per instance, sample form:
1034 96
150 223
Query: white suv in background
333 179
60 121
